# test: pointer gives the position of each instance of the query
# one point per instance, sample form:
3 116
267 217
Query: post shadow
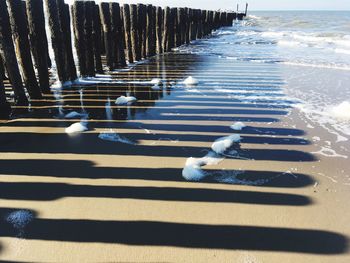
185 235
87 170
53 191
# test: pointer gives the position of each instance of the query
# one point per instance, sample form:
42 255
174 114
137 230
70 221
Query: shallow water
312 51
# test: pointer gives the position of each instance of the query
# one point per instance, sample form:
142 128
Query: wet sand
101 201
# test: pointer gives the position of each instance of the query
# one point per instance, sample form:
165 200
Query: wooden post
67 36
192 24
141 27
79 36
56 39
38 41
199 23
88 18
96 35
177 32
136 51
20 36
166 24
159 29
172 28
154 31
150 33
8 54
127 30
107 32
246 9
187 25
117 36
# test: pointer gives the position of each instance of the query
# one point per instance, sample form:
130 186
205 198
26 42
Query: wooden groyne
106 37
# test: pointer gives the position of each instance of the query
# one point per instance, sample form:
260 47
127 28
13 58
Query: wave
316 65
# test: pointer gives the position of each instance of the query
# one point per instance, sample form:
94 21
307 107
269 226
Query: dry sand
102 201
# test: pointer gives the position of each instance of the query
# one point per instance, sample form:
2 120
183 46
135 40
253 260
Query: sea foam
122 100
222 144
190 81
238 126
76 128
341 111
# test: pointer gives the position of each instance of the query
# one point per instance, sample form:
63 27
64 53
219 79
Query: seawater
312 51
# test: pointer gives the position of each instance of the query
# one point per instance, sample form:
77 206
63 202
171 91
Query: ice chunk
222 144
238 126
122 100
76 128
190 81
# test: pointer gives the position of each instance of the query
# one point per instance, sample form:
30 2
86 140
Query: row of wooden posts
106 36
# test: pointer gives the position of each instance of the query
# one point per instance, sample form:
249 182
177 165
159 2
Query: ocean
311 50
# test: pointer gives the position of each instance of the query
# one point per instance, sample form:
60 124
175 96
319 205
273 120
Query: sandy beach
268 198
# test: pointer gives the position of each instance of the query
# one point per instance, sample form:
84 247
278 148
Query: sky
253 4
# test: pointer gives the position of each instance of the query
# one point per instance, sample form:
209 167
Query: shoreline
115 201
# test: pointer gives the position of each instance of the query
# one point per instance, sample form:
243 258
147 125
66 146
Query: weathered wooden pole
141 27
136 51
56 39
20 36
154 31
38 41
96 35
67 36
88 18
107 32
150 32
198 24
172 27
246 9
123 32
79 36
159 29
177 34
64 28
127 30
8 54
204 24
117 32
192 25
166 23
187 25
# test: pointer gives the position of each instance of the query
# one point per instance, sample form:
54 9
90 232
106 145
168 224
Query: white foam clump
341 111
75 114
222 144
192 170
238 126
76 128
112 136
122 100
190 81
156 81
20 219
